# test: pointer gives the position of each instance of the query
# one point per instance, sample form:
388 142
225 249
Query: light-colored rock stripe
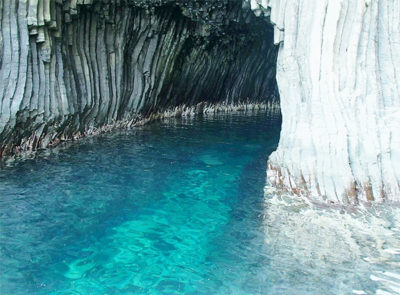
338 77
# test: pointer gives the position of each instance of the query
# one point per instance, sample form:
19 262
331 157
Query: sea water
179 207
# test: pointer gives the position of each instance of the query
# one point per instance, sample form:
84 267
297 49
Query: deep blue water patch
175 207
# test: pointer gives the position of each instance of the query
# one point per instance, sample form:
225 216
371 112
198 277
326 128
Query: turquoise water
178 207
171 208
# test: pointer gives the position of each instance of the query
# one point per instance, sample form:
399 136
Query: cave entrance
234 62
105 64
199 54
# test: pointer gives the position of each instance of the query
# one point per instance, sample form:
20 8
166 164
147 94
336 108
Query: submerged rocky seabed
333 248
133 212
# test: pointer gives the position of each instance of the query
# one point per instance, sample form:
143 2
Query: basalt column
338 75
69 68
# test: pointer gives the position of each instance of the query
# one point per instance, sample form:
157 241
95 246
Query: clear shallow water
319 250
178 208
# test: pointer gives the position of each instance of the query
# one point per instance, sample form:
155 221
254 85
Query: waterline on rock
27 148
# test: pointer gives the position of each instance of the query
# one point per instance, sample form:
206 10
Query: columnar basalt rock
338 75
68 67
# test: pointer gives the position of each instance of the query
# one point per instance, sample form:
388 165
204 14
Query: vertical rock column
70 68
338 75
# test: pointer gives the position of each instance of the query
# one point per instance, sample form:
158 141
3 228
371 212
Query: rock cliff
338 73
71 67
68 67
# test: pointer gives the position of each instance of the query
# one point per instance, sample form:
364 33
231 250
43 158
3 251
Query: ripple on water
338 251
178 208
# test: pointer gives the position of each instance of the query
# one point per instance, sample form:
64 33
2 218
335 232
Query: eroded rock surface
68 67
338 75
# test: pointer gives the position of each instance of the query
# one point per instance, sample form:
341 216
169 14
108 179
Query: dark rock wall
67 67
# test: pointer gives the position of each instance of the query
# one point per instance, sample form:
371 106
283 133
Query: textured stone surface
338 75
68 67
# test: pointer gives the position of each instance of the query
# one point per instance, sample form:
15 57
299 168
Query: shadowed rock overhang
70 67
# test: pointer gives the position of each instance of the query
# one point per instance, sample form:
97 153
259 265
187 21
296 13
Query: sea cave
199 147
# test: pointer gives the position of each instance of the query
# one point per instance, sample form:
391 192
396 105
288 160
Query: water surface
171 207
178 207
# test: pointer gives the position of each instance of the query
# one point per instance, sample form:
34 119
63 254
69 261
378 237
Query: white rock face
339 81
